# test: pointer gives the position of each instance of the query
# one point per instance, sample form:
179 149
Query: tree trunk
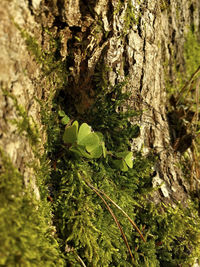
142 41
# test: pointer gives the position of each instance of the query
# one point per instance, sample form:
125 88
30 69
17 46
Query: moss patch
86 228
26 237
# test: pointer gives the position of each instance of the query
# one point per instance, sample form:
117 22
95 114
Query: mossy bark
105 41
108 39
99 44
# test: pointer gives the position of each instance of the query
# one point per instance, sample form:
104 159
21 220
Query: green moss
183 105
87 229
28 237
183 95
101 76
26 234
130 16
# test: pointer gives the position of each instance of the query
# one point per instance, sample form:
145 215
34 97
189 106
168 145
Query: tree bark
134 40
140 41
19 76
128 39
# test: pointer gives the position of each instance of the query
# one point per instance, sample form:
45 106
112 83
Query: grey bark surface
101 36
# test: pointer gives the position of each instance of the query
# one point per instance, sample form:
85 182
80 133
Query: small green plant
84 142
91 145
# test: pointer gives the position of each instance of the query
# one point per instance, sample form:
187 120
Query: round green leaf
127 157
100 135
122 155
124 167
120 164
84 130
70 134
97 152
91 141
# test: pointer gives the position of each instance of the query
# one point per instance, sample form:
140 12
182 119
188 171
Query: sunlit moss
26 233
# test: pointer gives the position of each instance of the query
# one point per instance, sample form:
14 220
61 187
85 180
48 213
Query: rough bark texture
19 75
93 33
106 35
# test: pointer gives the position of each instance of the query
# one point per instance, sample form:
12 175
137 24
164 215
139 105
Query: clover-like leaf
91 141
84 131
70 134
120 164
84 142
96 152
128 159
126 156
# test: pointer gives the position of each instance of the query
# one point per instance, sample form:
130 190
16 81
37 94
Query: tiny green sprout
65 119
61 113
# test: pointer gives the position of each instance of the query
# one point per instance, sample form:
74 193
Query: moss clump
26 234
164 4
52 67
